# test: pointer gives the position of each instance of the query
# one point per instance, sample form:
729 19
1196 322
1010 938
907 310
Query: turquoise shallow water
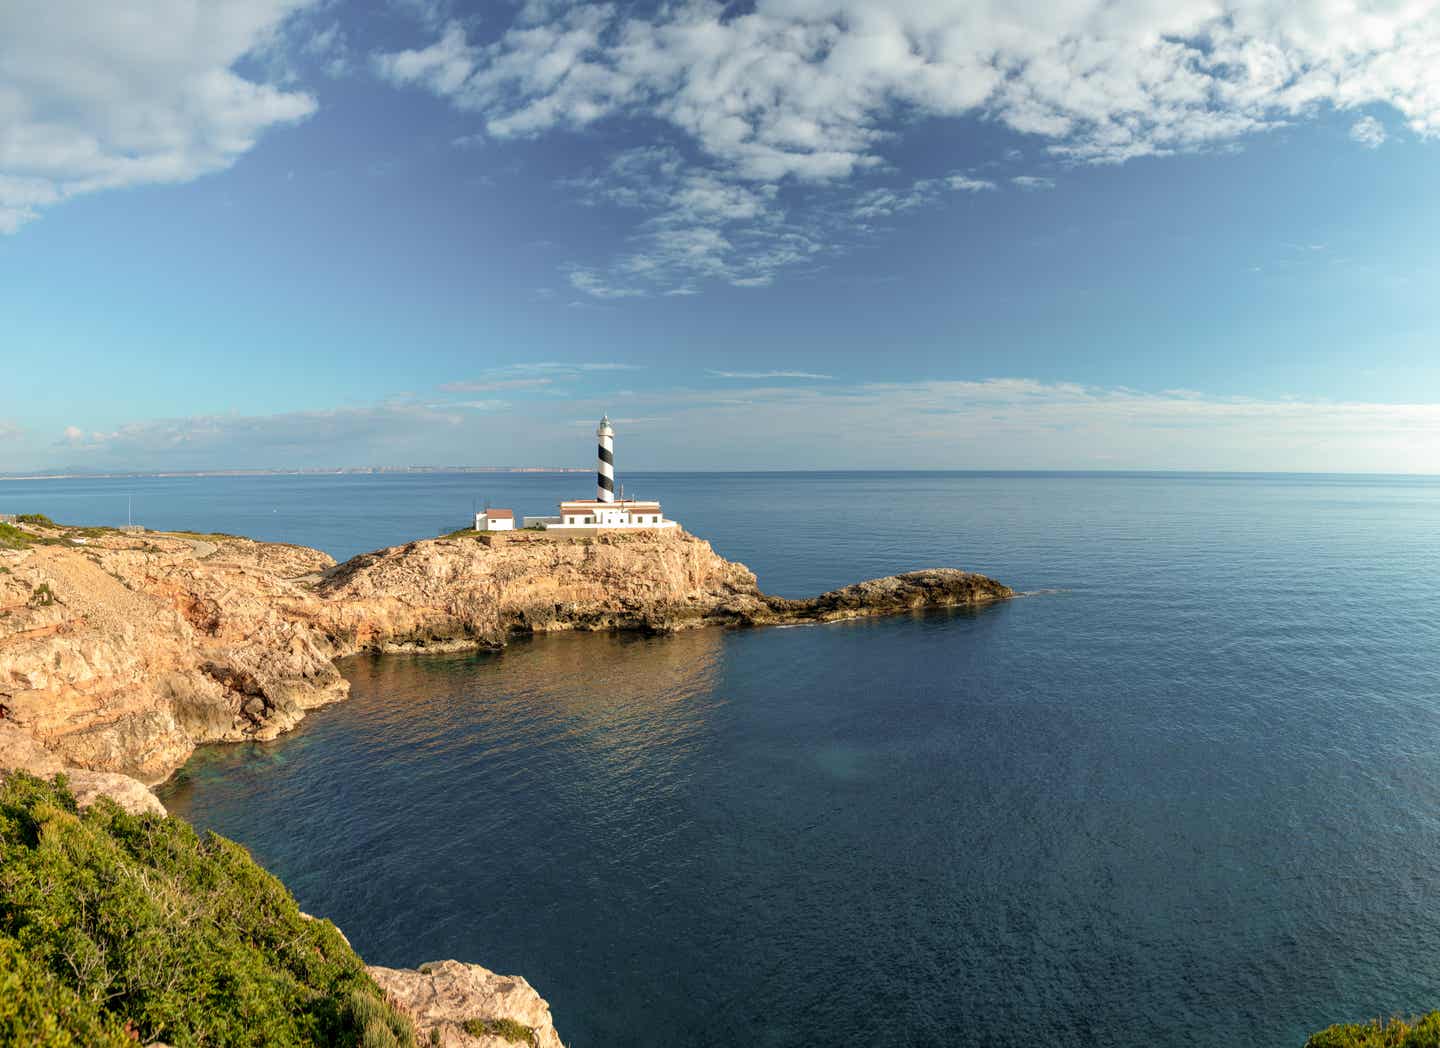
1186 793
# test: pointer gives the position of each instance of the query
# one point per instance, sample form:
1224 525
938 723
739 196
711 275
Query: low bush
505 1029
117 927
12 537
36 518
1423 1032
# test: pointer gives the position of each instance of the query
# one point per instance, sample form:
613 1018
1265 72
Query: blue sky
795 234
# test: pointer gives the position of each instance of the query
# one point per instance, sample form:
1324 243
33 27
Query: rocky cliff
120 653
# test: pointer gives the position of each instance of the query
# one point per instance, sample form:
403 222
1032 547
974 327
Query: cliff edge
119 653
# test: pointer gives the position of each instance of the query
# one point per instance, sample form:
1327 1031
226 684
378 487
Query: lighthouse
584 517
605 474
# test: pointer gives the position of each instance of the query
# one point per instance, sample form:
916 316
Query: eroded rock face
462 593
125 653
451 1004
20 751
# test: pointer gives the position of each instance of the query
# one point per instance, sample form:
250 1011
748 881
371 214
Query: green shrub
42 596
1423 1032
38 1009
508 1029
90 532
12 537
462 533
36 518
117 923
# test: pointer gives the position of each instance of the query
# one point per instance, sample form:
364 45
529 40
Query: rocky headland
121 652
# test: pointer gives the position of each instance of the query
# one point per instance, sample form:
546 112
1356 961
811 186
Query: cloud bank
108 95
812 92
809 88
775 422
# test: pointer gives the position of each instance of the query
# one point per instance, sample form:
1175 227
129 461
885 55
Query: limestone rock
143 649
131 794
124 654
442 995
19 751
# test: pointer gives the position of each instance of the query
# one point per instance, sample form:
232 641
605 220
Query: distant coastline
306 472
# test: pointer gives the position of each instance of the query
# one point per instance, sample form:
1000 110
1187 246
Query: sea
1184 791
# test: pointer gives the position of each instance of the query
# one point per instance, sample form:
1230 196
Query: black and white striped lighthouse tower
605 475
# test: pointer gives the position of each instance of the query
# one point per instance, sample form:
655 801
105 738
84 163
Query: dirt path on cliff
202 548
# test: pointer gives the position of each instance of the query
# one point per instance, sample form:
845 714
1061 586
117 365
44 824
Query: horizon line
144 474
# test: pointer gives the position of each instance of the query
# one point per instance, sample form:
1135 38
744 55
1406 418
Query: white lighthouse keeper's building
605 510
495 520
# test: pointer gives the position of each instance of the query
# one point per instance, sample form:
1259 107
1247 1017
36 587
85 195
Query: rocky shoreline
120 653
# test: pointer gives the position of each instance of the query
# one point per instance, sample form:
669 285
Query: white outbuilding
495 520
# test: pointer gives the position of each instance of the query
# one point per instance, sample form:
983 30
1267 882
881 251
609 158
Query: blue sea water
1186 792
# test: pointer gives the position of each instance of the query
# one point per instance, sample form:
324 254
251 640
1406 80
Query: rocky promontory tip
120 652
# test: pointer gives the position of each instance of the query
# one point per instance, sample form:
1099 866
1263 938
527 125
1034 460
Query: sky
788 234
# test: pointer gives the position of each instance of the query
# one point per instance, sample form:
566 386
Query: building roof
617 504
500 514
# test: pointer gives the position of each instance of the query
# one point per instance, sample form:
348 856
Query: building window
589 520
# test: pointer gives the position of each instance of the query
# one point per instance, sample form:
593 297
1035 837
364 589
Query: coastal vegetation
12 537
505 1029
117 928
16 538
1423 1032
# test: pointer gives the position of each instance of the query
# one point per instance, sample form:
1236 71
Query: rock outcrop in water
460 1005
121 654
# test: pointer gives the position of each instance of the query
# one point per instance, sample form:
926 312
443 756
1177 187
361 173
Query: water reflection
437 762
612 692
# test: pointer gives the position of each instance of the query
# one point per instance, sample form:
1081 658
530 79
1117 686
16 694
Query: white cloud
329 47
597 286
808 94
766 374
496 384
203 441
534 377
1033 182
1003 423
1369 132
702 224
967 184
566 367
102 96
1018 423
809 88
